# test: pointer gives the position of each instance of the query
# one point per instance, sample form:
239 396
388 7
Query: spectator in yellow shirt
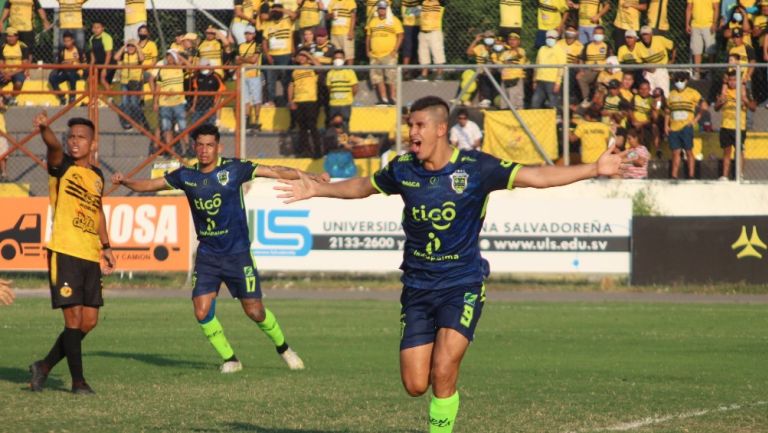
71 20
302 100
547 81
384 34
342 88
701 24
431 40
343 17
277 46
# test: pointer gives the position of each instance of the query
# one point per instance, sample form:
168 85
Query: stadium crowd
317 32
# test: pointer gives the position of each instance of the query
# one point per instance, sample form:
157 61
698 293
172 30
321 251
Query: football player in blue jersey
213 189
445 192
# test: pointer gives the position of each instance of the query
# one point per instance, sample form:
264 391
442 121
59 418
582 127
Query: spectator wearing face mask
342 88
591 14
480 50
594 53
547 81
512 79
573 49
205 81
739 20
685 108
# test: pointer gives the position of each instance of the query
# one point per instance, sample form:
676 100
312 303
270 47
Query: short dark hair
206 129
339 51
67 34
143 26
429 102
81 121
100 22
681 76
462 112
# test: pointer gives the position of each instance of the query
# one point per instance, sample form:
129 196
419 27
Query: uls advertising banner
146 233
519 235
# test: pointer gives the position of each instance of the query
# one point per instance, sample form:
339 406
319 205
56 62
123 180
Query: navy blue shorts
682 139
237 271
423 312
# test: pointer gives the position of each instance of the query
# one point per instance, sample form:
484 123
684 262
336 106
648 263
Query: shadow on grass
253 428
152 359
21 377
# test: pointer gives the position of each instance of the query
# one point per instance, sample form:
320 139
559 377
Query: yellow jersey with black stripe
682 107
746 56
746 36
22 13
615 106
370 8
69 56
304 85
247 7
657 14
75 195
383 34
657 52
760 23
628 17
589 9
482 54
247 49
511 13
342 12
171 80
550 13
14 54
149 49
729 111
431 16
642 107
410 11
211 50
340 83
71 14
594 138
632 56
309 14
279 36
128 74
572 50
135 12
511 56
595 53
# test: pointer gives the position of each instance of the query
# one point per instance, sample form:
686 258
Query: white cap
630 34
553 34
382 4
646 30
250 29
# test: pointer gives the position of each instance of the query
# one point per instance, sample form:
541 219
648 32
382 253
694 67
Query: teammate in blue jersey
445 191
213 189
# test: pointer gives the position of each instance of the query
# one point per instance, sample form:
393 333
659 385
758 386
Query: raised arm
55 151
286 173
141 185
304 188
611 163
106 250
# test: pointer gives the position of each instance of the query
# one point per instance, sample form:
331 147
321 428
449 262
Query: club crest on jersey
223 177
459 180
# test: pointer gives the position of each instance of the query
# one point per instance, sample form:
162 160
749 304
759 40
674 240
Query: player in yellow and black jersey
79 251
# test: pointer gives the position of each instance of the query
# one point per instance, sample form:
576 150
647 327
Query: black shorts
29 40
410 42
728 138
423 312
74 281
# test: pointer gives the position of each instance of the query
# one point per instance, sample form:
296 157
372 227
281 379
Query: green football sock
270 327
215 334
442 413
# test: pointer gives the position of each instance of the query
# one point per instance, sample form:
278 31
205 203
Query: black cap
614 84
737 32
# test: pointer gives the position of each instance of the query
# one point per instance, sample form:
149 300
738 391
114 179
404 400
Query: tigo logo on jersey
276 237
440 218
212 205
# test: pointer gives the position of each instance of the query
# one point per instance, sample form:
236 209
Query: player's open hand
6 293
118 178
41 119
300 189
108 261
612 162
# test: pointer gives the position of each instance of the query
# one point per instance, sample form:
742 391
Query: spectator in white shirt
465 134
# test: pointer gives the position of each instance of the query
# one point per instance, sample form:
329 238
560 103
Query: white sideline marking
632 425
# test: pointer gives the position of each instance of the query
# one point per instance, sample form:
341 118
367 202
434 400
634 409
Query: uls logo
276 236
210 206
440 218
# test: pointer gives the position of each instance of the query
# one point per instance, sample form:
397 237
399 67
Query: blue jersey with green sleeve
443 215
216 201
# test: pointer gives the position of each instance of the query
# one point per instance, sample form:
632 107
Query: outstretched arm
55 153
141 185
304 188
611 163
285 173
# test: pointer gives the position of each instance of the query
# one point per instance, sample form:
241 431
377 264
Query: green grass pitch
535 367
